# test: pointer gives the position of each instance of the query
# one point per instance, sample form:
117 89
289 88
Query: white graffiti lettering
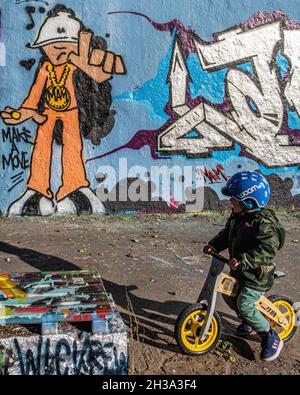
2 54
291 49
257 107
96 354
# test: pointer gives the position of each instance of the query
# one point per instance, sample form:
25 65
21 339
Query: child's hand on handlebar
234 264
208 249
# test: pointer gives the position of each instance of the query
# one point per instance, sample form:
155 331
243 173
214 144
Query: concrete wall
158 105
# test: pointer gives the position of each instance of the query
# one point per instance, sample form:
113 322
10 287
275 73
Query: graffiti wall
128 106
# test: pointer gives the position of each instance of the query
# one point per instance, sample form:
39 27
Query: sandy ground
153 266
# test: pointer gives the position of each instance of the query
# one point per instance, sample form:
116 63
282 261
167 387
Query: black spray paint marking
30 362
16 180
31 10
89 357
16 159
27 64
61 343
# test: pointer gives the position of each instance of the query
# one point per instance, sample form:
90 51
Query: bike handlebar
220 257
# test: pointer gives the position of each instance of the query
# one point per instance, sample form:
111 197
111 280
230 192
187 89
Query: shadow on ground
38 260
152 316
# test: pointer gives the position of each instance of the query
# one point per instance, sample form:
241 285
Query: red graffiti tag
214 175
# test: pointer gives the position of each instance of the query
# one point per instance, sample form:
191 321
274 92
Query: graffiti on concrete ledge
38 298
65 354
50 298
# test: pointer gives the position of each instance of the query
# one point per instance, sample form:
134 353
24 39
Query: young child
253 235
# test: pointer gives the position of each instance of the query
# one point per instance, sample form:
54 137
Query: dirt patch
154 267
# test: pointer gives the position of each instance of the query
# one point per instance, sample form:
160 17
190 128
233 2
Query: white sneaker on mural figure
47 207
66 206
81 201
16 208
31 203
97 206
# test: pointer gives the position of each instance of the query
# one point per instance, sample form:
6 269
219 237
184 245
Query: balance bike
198 327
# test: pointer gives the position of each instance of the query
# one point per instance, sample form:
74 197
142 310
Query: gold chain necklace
58 97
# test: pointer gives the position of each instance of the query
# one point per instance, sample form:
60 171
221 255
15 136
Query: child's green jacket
253 239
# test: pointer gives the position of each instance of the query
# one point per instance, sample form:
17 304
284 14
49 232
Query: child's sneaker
271 345
244 329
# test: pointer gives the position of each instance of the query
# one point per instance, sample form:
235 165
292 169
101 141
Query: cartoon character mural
69 98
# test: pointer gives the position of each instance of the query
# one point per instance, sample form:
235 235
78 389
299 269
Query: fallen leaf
130 255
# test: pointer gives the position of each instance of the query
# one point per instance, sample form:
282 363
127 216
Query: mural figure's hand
98 64
110 62
13 116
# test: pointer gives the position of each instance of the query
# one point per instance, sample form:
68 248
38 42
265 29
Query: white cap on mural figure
60 28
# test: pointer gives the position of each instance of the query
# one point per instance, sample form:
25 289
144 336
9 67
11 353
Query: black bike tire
179 322
275 298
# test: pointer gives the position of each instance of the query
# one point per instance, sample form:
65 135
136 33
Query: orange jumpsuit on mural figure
73 172
66 48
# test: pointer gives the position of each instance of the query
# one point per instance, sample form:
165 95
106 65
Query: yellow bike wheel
285 305
188 327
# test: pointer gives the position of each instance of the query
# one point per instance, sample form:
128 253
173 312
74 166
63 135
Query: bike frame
217 281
